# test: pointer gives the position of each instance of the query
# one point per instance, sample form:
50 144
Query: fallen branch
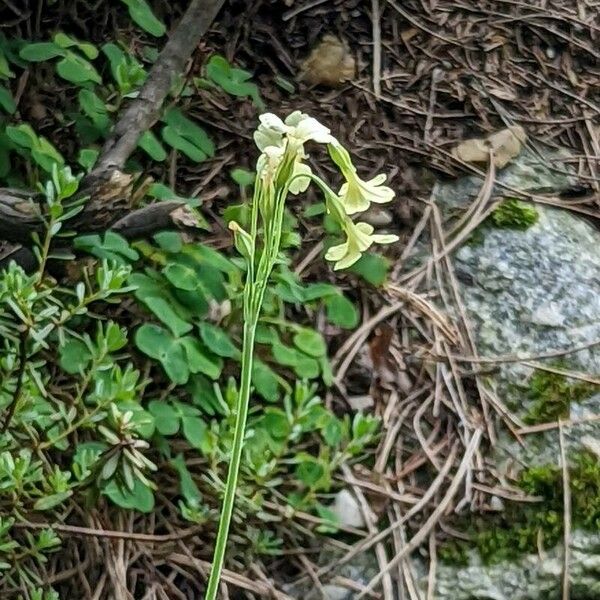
144 110
108 189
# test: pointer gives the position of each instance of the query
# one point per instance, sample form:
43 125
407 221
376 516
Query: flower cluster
282 163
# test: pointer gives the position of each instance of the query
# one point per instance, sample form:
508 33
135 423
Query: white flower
359 238
304 128
300 184
270 132
356 194
268 161
299 128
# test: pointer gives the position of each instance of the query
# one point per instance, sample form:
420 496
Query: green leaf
5 71
232 80
142 14
285 84
169 241
265 381
218 341
276 423
341 312
243 177
304 366
208 257
7 102
194 430
203 394
200 359
150 144
177 141
115 56
46 155
140 498
41 51
52 500
112 247
189 489
285 355
189 130
372 267
87 158
115 337
163 310
142 420
310 472
76 69
314 291
74 356
182 276
165 416
94 108
160 344
160 191
22 135
307 368
65 41
310 342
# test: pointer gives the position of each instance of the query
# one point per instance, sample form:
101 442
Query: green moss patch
514 214
522 528
552 395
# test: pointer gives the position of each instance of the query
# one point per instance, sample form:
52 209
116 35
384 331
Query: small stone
347 510
361 402
496 503
335 592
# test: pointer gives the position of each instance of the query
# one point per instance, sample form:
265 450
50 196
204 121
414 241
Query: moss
552 395
523 527
476 238
514 214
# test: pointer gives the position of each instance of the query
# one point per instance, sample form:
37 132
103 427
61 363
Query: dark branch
171 214
107 187
144 111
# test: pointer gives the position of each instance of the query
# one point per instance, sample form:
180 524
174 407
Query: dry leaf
505 144
184 217
330 63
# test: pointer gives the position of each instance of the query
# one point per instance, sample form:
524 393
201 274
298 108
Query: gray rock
347 510
528 293
532 578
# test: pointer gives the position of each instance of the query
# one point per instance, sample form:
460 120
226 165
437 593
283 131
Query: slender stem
254 291
236 455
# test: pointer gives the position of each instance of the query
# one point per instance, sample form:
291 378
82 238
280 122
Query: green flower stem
254 291
243 401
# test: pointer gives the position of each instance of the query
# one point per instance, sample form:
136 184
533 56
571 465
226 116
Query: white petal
274 152
347 261
365 228
311 129
264 137
300 184
273 122
294 118
385 238
337 252
378 179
